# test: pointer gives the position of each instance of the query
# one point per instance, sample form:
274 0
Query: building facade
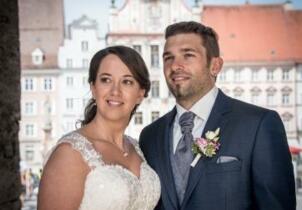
263 56
40 37
262 63
75 54
143 30
260 45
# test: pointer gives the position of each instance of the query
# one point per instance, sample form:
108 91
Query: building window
286 125
29 108
300 75
29 130
69 63
286 91
138 118
285 75
37 56
154 115
84 81
285 98
85 63
270 99
154 56
155 89
29 153
237 75
138 48
69 103
238 93
29 84
255 74
287 121
238 96
255 98
69 81
47 84
255 91
47 107
270 75
84 46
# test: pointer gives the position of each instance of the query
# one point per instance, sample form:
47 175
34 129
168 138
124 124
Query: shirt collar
202 108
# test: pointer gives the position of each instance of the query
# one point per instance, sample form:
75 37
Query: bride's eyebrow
104 74
128 75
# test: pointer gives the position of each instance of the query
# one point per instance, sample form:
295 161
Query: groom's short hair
207 34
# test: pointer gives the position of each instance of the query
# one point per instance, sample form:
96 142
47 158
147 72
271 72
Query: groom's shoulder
244 108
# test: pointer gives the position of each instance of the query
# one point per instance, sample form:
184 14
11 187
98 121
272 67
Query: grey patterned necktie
183 154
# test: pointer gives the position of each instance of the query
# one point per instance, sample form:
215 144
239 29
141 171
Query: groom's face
186 69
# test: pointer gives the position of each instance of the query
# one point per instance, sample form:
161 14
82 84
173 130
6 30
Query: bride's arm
63 179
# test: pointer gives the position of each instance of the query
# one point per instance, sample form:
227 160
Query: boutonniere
207 146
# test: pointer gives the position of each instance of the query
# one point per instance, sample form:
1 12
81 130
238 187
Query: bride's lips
114 103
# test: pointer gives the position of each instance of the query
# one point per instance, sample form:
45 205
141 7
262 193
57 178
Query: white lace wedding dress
113 187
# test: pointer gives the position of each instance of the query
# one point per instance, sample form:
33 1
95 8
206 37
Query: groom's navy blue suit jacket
258 177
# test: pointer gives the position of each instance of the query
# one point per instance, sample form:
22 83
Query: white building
141 24
81 43
299 100
265 84
39 77
262 58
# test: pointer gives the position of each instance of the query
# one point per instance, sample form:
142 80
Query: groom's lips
177 79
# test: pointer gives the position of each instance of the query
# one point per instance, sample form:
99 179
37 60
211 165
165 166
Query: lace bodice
113 186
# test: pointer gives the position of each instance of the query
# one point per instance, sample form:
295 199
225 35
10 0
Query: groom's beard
189 92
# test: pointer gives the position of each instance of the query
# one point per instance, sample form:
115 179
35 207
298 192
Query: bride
97 167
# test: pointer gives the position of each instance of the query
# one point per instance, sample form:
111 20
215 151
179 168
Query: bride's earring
94 102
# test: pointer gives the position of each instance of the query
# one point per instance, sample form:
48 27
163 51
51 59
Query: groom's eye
166 58
188 55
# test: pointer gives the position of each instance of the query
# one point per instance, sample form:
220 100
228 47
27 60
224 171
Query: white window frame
138 118
155 115
84 46
48 83
69 104
155 89
69 81
154 56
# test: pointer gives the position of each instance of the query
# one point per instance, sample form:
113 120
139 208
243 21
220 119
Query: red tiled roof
256 33
41 24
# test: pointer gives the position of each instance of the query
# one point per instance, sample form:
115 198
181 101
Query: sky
99 9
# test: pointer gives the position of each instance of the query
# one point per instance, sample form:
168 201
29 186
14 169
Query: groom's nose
177 64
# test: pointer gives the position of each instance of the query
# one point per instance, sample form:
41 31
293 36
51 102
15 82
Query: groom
249 167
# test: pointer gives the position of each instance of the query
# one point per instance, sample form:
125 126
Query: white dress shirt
201 109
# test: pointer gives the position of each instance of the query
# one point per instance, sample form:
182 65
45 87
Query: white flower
210 135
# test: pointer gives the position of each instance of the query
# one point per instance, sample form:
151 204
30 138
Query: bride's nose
115 88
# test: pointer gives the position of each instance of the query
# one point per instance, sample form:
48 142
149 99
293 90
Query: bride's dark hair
131 59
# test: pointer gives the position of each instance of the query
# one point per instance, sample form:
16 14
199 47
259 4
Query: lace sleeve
80 144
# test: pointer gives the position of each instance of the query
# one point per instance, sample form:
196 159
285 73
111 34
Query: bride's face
115 90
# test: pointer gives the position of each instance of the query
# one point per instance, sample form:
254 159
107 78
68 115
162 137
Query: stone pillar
9 106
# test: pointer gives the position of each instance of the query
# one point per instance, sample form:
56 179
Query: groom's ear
216 66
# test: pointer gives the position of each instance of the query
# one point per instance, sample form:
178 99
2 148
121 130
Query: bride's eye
128 82
105 80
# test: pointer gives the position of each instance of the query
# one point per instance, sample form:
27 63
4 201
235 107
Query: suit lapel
217 119
163 144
